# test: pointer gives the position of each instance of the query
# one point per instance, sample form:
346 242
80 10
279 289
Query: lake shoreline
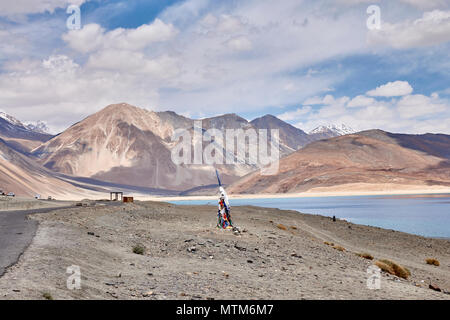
418 192
423 215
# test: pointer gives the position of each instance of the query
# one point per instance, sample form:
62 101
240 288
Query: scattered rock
434 287
192 249
249 261
148 294
240 248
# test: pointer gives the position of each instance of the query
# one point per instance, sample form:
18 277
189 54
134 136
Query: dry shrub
339 248
365 255
47 296
139 249
433 262
281 226
384 267
393 268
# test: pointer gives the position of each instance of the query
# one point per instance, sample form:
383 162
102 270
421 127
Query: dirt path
278 255
16 233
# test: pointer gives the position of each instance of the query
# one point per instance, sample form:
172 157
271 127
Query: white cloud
392 89
432 29
328 100
130 62
361 101
427 4
239 44
58 89
413 113
294 115
419 105
23 7
198 55
92 37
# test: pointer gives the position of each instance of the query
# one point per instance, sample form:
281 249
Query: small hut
118 196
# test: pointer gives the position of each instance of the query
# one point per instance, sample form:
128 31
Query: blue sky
309 62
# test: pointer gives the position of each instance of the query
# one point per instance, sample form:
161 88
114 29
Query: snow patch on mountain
11 119
338 130
38 126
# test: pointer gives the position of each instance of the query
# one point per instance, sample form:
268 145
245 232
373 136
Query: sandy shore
277 255
339 191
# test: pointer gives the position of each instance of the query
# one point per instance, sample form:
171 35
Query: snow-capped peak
38 126
10 119
339 130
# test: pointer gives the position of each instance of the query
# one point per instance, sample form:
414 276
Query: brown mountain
290 136
23 176
370 157
130 145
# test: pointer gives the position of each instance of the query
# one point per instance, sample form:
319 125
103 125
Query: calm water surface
419 214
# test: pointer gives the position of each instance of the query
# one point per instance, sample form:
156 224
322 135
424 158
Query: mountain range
361 160
129 148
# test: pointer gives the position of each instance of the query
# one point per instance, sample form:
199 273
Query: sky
310 63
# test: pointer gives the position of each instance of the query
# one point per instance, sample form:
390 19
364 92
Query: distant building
116 195
128 199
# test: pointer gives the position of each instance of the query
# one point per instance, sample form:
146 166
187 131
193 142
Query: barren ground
187 258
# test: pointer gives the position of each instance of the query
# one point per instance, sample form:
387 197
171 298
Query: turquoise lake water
423 215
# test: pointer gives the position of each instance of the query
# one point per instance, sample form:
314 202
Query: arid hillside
126 144
370 157
25 177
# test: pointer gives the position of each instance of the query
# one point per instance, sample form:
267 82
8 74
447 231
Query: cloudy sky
309 62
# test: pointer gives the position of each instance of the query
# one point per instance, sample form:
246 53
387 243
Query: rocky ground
276 255
19 203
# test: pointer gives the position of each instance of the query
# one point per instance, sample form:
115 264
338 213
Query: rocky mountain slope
20 137
25 177
123 143
290 136
126 147
370 157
